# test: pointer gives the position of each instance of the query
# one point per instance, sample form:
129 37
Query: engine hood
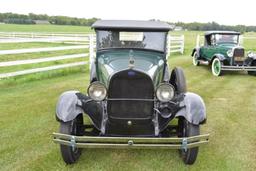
111 61
229 46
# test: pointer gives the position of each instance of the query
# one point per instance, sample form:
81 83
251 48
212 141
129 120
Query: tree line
64 20
214 26
31 18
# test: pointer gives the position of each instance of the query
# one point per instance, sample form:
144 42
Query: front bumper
238 68
130 142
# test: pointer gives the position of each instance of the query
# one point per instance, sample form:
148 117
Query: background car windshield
124 39
226 38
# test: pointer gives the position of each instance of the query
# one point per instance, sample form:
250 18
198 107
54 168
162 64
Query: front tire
252 72
178 80
69 154
187 129
216 67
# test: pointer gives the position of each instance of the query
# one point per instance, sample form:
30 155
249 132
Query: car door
209 47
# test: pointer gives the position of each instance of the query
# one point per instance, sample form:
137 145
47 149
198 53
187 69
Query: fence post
168 46
198 41
183 44
241 40
91 51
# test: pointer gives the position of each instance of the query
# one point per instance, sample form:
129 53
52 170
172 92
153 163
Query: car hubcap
216 67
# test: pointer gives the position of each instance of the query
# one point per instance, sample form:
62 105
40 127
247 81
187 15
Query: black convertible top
220 32
131 25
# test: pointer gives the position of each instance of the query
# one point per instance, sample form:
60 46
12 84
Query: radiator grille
130 84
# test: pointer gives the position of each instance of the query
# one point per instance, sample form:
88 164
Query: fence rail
40 60
47 49
175 44
30 71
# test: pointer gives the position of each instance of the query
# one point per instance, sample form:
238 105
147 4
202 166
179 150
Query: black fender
197 50
73 103
221 57
93 74
194 110
251 60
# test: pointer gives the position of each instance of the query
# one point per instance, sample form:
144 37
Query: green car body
132 98
222 51
110 62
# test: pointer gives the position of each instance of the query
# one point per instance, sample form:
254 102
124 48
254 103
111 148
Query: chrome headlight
165 92
97 91
230 53
250 54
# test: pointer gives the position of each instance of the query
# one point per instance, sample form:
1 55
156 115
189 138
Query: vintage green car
132 97
222 51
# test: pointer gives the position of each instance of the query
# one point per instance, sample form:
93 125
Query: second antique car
222 51
132 97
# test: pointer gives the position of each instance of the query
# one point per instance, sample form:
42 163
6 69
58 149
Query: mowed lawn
27 121
27 108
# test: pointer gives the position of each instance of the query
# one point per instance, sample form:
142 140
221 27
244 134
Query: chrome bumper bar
130 142
238 68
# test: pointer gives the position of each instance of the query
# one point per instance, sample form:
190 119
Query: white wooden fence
19 37
175 44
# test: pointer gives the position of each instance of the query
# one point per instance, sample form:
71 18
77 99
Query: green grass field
27 107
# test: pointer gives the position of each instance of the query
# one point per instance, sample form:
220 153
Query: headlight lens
250 54
165 92
97 91
230 53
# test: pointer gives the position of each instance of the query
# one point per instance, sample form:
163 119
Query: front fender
73 103
194 110
197 50
67 106
221 57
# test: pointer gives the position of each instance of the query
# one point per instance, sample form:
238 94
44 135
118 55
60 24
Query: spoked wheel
216 67
252 72
178 80
195 60
186 129
71 154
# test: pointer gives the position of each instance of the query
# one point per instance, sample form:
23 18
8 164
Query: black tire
71 155
178 80
195 60
187 129
252 72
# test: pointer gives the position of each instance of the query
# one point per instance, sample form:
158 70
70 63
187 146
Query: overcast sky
224 12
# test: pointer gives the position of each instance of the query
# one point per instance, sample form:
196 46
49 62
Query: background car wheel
69 154
194 60
216 67
178 80
187 129
252 72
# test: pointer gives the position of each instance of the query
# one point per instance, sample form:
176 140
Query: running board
203 62
238 68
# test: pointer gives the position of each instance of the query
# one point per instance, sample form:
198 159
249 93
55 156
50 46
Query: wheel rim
195 61
216 67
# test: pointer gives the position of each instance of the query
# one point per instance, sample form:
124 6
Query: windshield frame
227 42
138 48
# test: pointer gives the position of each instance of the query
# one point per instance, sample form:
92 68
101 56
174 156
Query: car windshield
125 39
226 38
